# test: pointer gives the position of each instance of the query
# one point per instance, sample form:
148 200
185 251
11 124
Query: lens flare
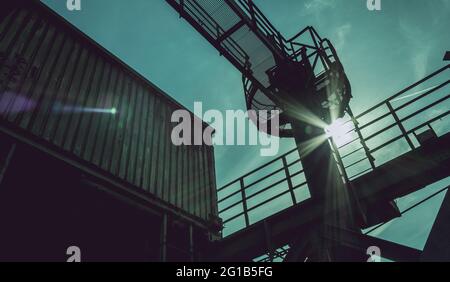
58 108
340 131
15 103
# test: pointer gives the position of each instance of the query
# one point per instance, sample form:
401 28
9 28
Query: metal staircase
419 156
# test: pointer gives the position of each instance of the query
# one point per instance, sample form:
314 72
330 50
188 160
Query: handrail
244 188
258 168
263 22
412 86
398 121
243 194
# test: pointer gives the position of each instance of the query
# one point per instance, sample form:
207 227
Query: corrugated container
50 72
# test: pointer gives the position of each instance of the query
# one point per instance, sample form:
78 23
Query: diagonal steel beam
389 250
437 247
406 174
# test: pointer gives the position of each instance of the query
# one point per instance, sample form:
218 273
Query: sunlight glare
340 131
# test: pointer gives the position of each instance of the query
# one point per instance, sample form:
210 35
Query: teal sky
382 52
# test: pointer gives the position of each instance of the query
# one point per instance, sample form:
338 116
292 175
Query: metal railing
391 127
281 178
377 135
263 24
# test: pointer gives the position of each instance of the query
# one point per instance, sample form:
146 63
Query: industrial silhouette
86 158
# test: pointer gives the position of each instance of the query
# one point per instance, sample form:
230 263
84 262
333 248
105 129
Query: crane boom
240 32
271 65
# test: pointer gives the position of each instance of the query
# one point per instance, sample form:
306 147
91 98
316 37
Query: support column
163 239
326 187
268 239
191 243
7 150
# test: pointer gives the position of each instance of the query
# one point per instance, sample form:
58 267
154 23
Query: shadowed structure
447 56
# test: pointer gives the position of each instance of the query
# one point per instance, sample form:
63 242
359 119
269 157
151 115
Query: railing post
361 138
182 7
400 125
281 41
339 161
289 180
252 14
293 51
244 203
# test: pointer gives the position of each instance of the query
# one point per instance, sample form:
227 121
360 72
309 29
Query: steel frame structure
280 172
285 75
239 30
286 235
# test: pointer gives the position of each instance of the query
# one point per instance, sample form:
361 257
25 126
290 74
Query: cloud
342 32
446 3
319 5
420 62
420 53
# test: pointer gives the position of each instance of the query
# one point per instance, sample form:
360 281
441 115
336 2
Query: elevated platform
399 177
407 173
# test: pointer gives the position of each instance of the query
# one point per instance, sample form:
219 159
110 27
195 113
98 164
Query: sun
340 131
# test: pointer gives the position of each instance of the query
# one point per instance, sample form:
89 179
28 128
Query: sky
382 52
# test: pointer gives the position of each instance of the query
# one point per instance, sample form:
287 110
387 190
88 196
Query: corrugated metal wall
50 72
